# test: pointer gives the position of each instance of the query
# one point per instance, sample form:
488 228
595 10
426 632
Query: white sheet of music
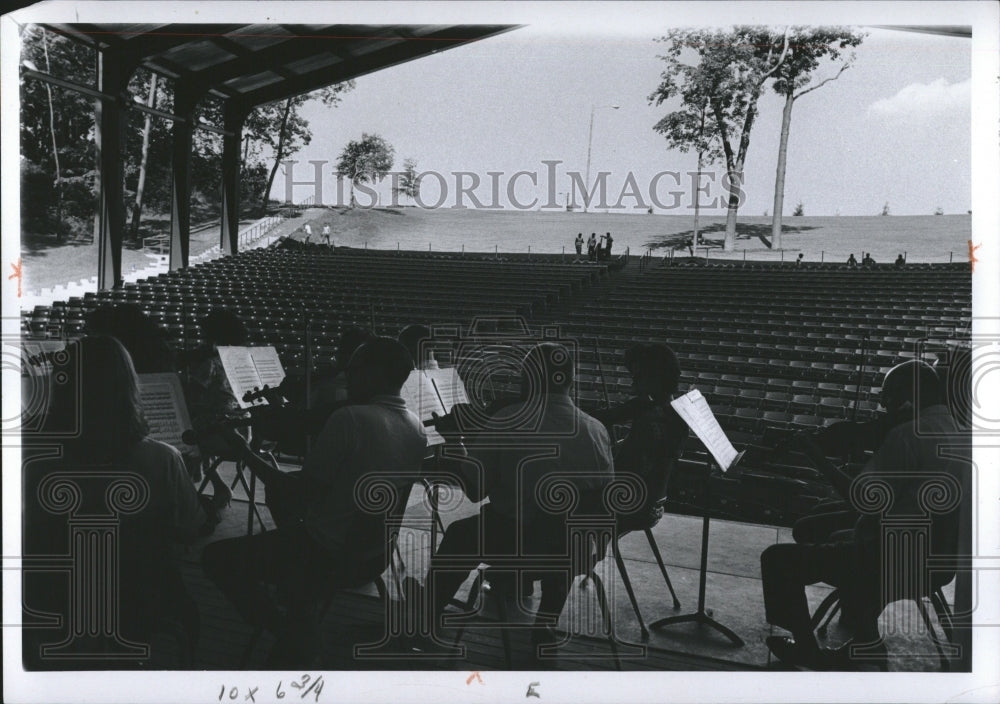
694 410
162 399
241 372
422 400
268 365
449 386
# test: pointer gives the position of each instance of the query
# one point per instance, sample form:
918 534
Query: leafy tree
57 128
409 182
689 128
807 47
58 136
283 131
367 160
722 72
799 211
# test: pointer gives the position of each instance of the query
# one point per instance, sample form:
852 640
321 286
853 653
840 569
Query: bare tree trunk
279 154
697 195
55 147
732 208
141 185
697 206
779 179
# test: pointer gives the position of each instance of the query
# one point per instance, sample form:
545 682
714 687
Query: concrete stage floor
733 597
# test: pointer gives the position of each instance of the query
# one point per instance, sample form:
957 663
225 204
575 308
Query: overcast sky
894 128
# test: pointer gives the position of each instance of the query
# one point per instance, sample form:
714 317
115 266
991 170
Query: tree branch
781 58
844 67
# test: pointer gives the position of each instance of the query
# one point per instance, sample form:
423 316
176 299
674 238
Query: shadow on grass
744 231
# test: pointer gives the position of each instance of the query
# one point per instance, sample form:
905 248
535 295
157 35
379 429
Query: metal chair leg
470 605
602 601
944 614
828 608
663 569
631 594
922 608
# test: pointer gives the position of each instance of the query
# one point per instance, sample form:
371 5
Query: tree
807 47
689 129
367 160
885 208
284 131
725 82
409 182
799 211
140 186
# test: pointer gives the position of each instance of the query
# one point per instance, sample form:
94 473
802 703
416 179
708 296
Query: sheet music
421 398
694 410
162 399
449 385
240 371
268 365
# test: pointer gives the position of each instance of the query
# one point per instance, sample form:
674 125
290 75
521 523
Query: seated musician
315 509
657 433
336 391
855 565
100 402
209 396
542 433
851 440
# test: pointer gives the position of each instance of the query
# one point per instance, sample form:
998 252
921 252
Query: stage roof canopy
259 63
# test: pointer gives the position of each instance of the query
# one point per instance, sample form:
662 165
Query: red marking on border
18 274
474 676
972 254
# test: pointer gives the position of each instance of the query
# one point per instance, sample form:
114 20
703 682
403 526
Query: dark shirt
651 451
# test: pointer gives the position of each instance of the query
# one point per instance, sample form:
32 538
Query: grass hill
923 238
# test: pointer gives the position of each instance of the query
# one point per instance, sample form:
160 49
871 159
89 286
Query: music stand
701 616
700 419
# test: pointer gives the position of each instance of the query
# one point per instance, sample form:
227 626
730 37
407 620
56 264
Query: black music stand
250 488
701 616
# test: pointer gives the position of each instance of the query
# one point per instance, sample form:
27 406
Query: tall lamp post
590 143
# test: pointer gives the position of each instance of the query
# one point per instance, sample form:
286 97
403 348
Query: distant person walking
592 247
579 243
326 233
608 240
309 231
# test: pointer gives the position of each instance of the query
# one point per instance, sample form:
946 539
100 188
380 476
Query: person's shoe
848 657
222 497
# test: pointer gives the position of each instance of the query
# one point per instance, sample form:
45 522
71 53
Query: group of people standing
596 250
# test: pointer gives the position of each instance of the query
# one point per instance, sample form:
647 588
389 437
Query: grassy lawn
923 238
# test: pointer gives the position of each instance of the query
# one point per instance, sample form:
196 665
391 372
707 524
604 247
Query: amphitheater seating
769 346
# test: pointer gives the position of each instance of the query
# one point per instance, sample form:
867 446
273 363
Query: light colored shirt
379 437
551 436
173 501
